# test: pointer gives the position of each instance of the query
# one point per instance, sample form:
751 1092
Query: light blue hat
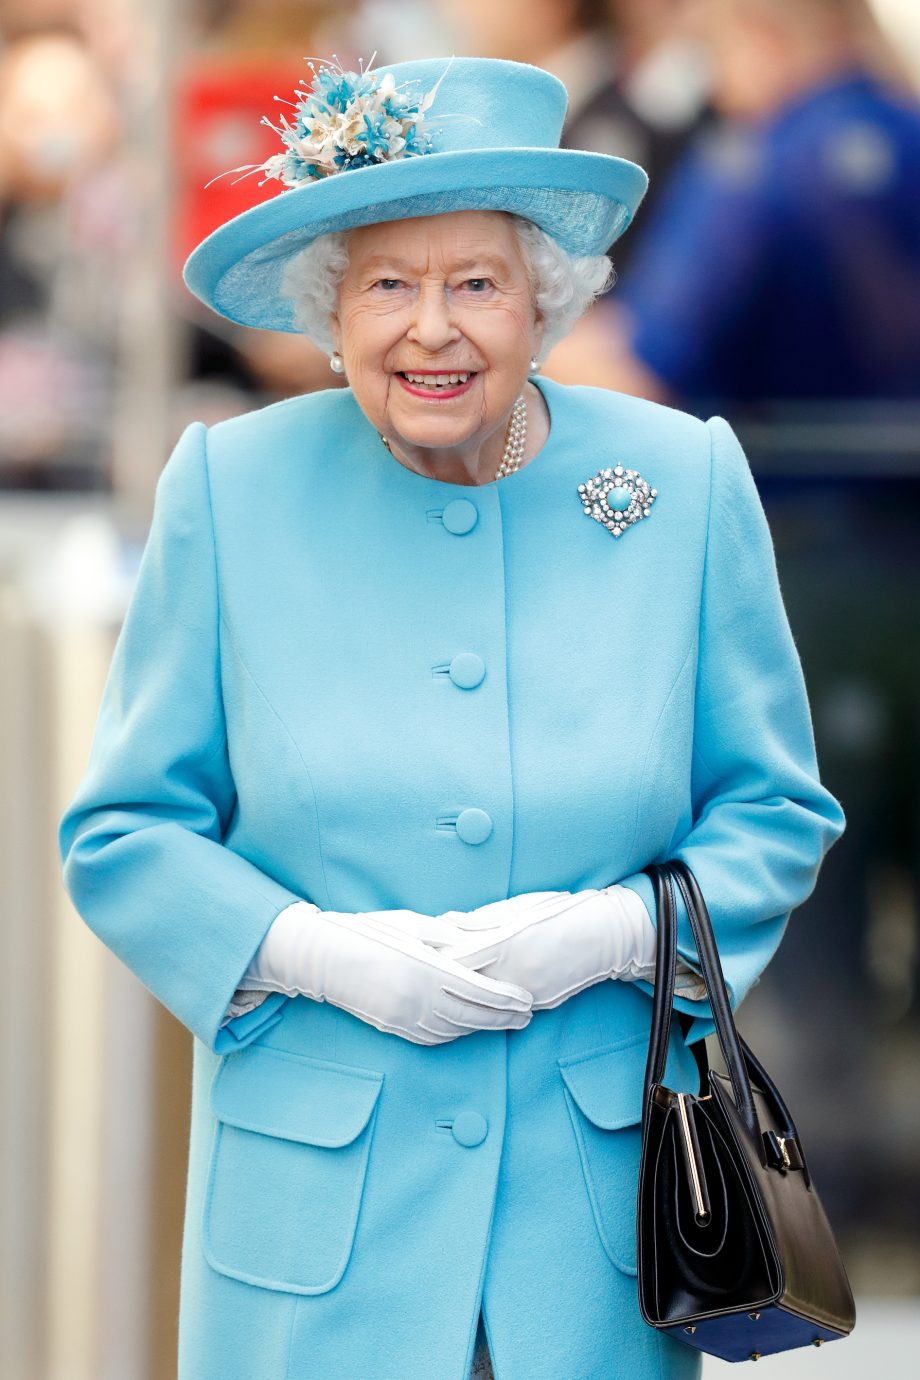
412 139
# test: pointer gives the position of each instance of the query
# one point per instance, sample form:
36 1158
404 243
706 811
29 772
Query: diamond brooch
617 498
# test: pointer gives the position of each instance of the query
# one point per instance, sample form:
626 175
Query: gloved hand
452 926
556 943
376 966
502 937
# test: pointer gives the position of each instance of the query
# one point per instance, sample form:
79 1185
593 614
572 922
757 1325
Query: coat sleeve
762 821
140 842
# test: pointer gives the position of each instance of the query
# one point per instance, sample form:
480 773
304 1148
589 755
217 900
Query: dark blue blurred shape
783 258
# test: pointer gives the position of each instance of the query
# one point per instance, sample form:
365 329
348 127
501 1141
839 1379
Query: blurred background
772 276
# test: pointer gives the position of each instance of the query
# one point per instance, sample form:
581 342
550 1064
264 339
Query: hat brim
584 200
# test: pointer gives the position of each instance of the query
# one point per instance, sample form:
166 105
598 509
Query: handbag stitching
704 1255
756 1198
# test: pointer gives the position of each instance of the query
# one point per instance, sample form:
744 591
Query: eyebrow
485 260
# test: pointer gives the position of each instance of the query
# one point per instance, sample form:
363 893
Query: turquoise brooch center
617 498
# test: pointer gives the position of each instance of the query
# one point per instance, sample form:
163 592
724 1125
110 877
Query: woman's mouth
441 383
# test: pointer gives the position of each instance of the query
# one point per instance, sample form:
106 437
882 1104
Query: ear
336 330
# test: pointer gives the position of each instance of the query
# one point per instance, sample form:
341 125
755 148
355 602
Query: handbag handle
665 976
663 876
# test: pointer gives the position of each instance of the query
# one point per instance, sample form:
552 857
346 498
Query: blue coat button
467 670
470 1128
460 516
474 826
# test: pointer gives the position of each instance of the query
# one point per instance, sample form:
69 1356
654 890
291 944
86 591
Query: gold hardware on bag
690 1328
819 1341
754 1356
755 1317
702 1212
781 1142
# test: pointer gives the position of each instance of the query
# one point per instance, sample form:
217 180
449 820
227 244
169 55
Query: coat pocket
603 1093
287 1168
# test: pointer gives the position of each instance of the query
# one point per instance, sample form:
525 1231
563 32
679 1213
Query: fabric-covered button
474 825
470 1128
467 670
460 516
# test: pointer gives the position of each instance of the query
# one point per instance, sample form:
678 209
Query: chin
436 433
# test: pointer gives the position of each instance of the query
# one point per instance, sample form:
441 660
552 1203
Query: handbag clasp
782 1151
694 1160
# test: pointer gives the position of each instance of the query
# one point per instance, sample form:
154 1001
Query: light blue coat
281 720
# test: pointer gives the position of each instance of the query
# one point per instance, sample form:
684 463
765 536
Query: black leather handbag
736 1256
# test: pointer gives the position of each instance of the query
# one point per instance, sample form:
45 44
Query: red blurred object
218 108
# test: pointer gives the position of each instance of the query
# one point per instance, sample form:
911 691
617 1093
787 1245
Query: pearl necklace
515 441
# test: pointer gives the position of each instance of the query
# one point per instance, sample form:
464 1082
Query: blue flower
347 120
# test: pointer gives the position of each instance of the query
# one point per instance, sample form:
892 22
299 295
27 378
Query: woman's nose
432 324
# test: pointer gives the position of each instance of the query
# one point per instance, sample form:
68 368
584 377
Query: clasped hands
551 943
431 979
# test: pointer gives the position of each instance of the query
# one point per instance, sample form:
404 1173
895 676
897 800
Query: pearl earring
336 363
535 365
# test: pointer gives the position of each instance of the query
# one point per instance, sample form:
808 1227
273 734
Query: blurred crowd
772 273
781 259
776 258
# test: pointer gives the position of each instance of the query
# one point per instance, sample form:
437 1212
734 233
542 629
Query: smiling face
436 325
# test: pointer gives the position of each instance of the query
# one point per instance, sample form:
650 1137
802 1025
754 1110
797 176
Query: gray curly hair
564 285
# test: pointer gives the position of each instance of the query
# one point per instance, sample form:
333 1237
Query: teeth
437 381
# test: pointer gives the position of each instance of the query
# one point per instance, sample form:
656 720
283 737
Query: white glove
376 966
556 943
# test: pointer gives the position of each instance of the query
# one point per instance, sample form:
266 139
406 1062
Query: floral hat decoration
410 139
346 120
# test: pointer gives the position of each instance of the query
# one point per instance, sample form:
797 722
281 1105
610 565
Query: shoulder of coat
291 421
621 417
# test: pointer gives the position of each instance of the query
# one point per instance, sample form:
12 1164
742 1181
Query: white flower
326 139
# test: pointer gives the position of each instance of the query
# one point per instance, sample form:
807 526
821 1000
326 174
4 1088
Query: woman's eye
389 284
478 284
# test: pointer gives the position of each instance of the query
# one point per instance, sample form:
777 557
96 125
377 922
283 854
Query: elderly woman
418 676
